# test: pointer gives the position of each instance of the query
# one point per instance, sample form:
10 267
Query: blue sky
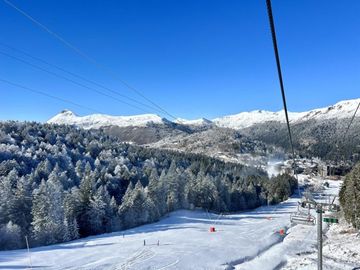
196 59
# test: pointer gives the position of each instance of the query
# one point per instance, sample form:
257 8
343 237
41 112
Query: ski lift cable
339 152
278 65
78 76
90 59
351 121
282 88
70 80
48 95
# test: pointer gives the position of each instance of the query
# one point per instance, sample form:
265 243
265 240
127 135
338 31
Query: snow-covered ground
184 243
248 240
299 248
341 250
341 247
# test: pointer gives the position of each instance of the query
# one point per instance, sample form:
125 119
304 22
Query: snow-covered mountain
342 109
196 122
248 119
101 120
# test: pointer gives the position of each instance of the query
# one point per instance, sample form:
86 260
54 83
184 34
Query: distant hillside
313 138
318 132
341 110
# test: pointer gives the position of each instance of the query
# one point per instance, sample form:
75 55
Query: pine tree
39 211
48 213
43 170
115 223
97 211
10 236
350 197
22 204
155 195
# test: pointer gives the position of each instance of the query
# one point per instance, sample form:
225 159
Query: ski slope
248 240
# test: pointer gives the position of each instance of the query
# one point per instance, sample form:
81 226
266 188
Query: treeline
59 183
350 197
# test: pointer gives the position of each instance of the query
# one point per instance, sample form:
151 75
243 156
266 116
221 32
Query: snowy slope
196 122
342 109
101 120
298 251
247 119
248 240
184 243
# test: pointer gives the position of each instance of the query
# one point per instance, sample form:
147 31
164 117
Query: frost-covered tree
98 208
10 236
58 183
22 204
115 221
48 212
350 197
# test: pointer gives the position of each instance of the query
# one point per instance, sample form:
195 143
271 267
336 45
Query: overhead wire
339 152
70 80
78 76
351 121
278 65
87 57
48 95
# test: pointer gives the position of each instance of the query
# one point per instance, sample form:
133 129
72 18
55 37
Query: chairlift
333 208
308 204
302 218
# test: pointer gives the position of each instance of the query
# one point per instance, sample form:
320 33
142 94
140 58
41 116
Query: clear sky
195 58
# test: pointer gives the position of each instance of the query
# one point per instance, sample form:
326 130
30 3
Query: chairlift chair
302 218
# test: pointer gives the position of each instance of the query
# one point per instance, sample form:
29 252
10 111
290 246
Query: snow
185 243
273 167
342 109
246 240
248 119
101 120
341 245
195 122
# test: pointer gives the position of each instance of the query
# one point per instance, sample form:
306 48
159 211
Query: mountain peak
101 120
67 113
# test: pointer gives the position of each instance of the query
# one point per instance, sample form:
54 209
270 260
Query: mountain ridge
341 109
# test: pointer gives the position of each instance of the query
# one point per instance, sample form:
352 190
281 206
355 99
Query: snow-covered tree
10 236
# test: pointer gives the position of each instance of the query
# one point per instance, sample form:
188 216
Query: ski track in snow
141 256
